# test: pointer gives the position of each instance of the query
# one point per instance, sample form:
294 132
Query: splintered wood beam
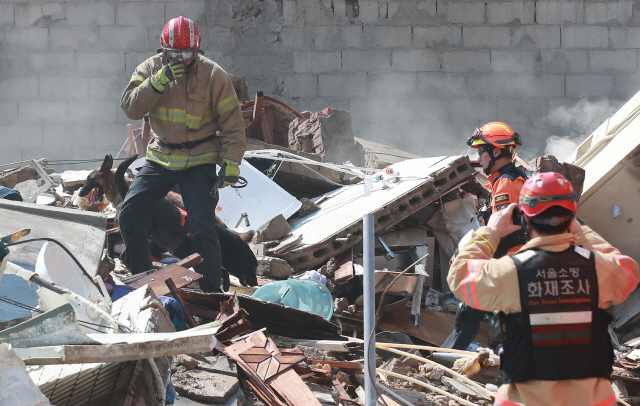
190 261
189 320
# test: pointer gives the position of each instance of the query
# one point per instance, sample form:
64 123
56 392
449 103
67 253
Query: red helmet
180 34
495 133
546 190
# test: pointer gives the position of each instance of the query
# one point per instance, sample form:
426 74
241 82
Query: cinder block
25 87
512 109
342 85
54 11
388 36
301 85
6 15
351 35
64 87
441 36
93 111
371 109
101 62
101 13
619 11
441 85
626 85
585 37
420 60
339 8
516 85
510 11
481 109
218 38
142 14
316 61
74 135
325 37
536 37
39 111
292 37
8 112
23 39
26 15
127 38
10 137
133 59
366 60
9 155
194 10
465 13
108 136
392 84
559 12
52 63
290 12
515 61
486 37
466 61
30 135
81 38
625 37
619 61
368 11
563 61
589 85
107 87
429 6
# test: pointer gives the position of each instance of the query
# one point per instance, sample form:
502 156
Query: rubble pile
296 336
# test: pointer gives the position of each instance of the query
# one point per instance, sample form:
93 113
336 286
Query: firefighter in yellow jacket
196 123
553 292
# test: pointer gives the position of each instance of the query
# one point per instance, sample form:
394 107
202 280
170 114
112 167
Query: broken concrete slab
274 229
379 156
220 365
72 180
273 267
27 189
237 399
325 396
203 385
337 226
82 232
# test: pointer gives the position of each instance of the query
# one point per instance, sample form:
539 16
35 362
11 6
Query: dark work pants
149 187
466 327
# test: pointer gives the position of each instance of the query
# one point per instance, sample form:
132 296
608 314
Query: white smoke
576 123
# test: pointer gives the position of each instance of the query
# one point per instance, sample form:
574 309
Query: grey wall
417 74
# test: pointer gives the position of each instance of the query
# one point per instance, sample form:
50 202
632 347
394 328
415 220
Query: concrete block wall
416 74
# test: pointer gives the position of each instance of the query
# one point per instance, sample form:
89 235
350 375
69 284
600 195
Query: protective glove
168 73
230 171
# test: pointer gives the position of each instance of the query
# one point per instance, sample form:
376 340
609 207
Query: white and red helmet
180 34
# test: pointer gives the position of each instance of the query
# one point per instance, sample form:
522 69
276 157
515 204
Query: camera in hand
516 218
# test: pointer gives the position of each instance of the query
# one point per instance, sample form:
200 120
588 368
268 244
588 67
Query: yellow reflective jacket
492 284
191 108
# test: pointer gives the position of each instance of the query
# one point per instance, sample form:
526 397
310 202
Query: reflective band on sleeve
543 319
136 80
469 283
227 105
624 262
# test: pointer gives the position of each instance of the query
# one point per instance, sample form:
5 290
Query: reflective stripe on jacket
492 284
191 108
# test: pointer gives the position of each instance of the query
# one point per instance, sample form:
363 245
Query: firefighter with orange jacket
496 143
553 291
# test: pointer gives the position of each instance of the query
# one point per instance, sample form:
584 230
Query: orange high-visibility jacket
492 285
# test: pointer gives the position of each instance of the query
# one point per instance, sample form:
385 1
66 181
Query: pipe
369 309
426 347
426 385
452 372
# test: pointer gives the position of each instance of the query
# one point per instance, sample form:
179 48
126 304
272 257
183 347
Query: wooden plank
338 364
190 261
180 276
293 390
176 294
434 327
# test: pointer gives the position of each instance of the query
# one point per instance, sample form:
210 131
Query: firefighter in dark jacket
554 292
496 143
